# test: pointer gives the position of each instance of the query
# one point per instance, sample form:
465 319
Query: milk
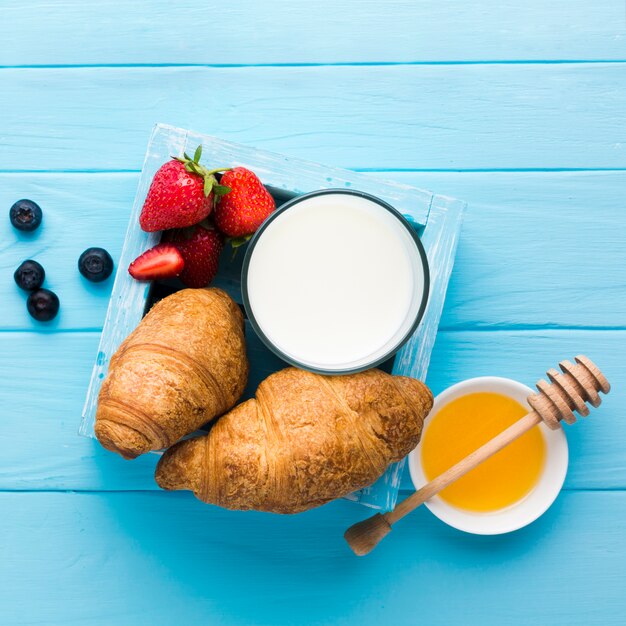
335 281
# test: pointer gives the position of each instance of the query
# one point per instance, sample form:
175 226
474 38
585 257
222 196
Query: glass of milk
335 281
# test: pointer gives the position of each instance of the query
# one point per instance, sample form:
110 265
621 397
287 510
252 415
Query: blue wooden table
518 107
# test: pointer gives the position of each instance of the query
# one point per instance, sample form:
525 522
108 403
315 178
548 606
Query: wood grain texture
134 558
519 230
80 211
57 458
407 116
354 31
536 249
166 559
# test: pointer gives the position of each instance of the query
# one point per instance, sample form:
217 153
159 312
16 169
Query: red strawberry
181 194
162 261
201 248
240 211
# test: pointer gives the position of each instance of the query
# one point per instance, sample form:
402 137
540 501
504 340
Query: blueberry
95 264
25 215
43 305
29 275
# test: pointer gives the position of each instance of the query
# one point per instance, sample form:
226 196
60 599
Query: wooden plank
166 559
358 31
409 116
536 249
520 231
44 377
43 382
80 211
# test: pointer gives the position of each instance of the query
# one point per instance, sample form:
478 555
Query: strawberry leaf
221 190
198 153
237 242
209 184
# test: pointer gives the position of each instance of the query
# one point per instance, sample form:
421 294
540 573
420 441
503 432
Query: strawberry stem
210 182
219 170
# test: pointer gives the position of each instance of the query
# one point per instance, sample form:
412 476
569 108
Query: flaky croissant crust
182 366
304 440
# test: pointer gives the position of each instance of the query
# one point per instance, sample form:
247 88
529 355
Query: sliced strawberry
162 261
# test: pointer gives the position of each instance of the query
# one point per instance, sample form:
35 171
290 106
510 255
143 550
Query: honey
465 424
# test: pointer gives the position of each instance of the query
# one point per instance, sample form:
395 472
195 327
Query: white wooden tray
436 218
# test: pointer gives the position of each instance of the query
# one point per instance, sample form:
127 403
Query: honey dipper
557 400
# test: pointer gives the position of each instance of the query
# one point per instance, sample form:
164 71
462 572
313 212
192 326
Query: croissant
181 367
304 440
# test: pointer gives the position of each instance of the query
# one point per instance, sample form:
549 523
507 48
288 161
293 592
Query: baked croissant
304 440
181 367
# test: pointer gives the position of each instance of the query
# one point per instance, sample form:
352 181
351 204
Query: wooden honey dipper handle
472 460
568 391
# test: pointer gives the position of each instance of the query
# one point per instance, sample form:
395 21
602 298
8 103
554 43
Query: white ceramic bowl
530 507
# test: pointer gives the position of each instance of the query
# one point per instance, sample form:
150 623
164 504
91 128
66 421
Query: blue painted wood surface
517 106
